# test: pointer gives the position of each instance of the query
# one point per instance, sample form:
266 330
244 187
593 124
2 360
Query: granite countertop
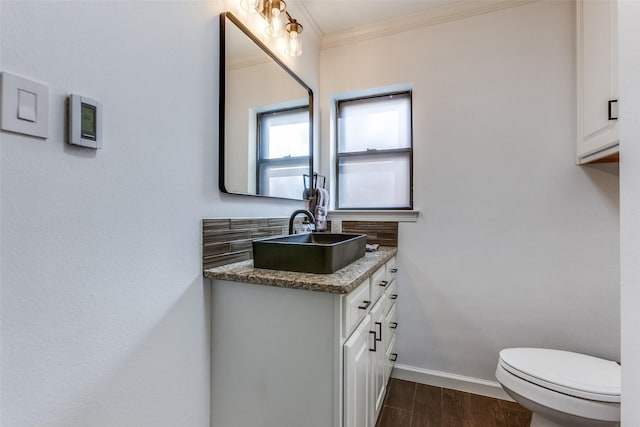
341 282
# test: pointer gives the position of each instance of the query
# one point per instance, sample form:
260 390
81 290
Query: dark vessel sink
309 253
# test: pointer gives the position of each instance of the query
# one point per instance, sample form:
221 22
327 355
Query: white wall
515 244
629 49
104 309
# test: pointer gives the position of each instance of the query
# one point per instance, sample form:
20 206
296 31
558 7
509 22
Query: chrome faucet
300 211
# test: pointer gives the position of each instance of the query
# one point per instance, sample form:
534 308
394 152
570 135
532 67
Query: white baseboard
452 381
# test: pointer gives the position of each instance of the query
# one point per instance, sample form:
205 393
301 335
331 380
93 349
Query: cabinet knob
393 325
383 283
393 357
394 296
394 270
365 305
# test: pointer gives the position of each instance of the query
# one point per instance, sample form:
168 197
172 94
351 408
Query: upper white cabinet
597 81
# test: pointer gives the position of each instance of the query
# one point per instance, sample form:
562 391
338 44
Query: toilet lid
570 373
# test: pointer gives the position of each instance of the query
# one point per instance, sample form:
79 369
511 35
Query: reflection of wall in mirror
250 90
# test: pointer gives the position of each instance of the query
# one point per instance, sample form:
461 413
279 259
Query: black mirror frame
221 105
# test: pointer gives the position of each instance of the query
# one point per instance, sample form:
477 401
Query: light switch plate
28 115
27 103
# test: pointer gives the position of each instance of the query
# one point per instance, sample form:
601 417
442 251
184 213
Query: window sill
374 215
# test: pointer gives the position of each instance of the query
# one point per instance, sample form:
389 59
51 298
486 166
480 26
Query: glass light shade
250 6
275 27
294 44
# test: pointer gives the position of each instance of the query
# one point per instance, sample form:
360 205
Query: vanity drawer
391 323
391 269
392 294
379 283
356 305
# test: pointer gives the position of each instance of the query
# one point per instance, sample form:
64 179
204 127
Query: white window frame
373 153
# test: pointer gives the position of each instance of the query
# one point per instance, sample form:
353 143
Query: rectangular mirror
266 119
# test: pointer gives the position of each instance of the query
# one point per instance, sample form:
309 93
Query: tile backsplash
225 241
384 233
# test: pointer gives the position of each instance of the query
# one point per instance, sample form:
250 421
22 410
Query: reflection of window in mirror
282 151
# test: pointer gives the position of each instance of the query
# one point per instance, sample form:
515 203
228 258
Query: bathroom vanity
302 349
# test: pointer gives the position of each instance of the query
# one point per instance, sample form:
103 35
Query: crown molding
434 16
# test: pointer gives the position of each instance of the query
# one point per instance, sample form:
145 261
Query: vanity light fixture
274 13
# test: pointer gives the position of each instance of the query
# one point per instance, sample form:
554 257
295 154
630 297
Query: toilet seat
569 373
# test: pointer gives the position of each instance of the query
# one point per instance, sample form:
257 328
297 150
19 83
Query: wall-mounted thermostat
84 118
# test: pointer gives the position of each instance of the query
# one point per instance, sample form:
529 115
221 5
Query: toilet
562 388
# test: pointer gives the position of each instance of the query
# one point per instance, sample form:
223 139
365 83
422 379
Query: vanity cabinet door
391 269
597 80
357 376
378 359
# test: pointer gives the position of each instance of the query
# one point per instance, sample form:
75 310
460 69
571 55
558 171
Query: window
374 152
283 152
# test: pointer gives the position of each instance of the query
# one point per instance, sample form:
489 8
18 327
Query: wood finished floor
409 404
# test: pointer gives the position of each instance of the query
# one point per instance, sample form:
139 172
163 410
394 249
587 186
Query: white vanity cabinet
597 81
297 357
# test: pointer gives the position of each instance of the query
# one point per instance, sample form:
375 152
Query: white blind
379 123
